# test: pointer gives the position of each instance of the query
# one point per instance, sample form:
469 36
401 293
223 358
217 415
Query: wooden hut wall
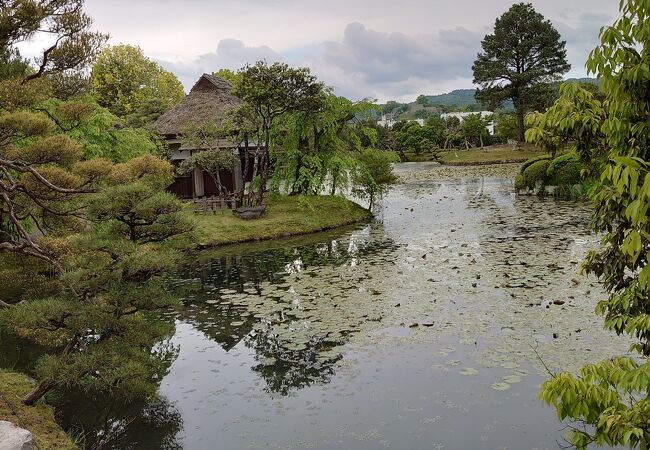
226 180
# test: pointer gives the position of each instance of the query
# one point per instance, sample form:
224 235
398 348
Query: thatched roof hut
208 101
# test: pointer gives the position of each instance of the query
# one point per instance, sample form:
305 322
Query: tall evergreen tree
524 54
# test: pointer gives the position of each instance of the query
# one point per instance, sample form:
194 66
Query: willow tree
316 148
518 60
608 401
269 92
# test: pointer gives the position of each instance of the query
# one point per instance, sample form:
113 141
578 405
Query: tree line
84 212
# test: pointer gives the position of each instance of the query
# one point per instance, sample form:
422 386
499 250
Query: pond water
425 329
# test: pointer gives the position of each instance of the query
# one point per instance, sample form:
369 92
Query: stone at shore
15 438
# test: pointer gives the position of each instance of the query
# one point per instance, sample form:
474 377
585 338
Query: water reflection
120 425
273 302
411 333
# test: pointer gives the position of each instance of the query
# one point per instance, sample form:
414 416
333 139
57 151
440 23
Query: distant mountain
582 80
459 98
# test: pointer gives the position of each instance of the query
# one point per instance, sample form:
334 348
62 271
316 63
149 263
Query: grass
495 154
284 216
424 156
38 419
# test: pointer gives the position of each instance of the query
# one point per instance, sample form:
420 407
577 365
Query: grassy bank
284 216
38 419
410 156
497 154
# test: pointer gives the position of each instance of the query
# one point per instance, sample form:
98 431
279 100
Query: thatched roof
209 100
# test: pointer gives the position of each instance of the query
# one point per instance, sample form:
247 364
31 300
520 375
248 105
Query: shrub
520 182
534 174
564 170
533 161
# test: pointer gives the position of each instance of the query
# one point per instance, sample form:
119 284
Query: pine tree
524 54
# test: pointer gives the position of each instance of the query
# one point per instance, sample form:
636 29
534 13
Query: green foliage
412 136
537 172
525 165
318 148
147 112
228 75
575 120
103 229
99 132
422 100
61 22
274 94
518 61
124 80
505 127
565 170
520 182
99 332
212 162
373 174
456 100
534 176
12 65
609 399
474 129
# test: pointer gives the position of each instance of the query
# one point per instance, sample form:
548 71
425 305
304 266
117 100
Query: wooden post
199 188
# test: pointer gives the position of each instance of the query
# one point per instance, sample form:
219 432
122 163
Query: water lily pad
512 379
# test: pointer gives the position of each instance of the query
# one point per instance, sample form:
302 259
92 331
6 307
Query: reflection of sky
460 295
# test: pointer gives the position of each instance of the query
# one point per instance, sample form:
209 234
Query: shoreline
483 163
213 245
38 419
285 217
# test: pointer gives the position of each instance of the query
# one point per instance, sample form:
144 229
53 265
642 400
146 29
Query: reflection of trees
223 323
284 369
104 423
101 419
280 362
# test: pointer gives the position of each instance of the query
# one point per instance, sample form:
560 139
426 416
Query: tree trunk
295 188
38 392
245 173
520 124
249 197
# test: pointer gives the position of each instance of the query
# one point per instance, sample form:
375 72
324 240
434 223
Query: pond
429 328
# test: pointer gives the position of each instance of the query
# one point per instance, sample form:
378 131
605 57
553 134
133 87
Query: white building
462 115
388 120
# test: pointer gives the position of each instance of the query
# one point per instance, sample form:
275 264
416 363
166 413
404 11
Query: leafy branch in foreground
608 402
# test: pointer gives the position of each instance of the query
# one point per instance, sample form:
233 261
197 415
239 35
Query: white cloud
364 48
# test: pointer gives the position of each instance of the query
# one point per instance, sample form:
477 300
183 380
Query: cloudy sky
383 49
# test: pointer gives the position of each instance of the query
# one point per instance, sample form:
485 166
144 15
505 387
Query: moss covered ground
38 419
284 216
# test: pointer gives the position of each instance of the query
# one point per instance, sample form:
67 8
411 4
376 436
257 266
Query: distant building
388 120
462 115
